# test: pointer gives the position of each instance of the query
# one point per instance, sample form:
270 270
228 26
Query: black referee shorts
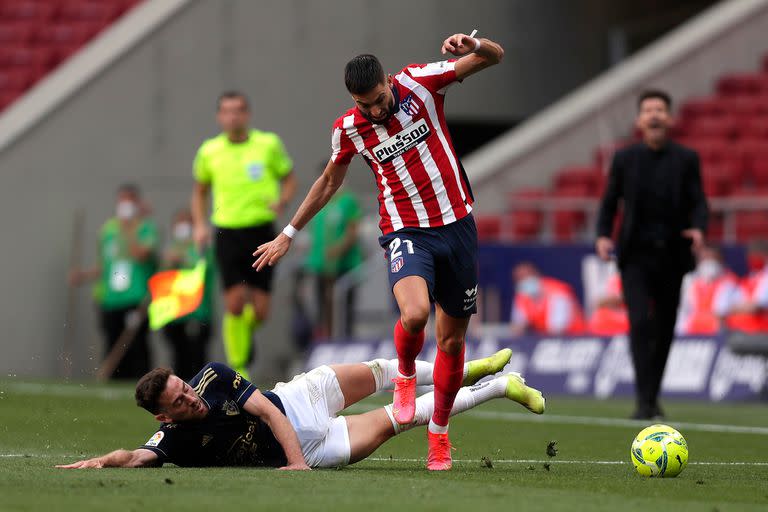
234 256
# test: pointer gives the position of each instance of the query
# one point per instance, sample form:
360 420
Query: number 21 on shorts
396 260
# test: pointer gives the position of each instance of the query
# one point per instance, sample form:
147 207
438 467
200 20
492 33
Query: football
659 451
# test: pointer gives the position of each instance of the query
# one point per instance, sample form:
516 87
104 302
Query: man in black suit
664 221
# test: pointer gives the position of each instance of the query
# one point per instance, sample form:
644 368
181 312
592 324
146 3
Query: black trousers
651 282
189 341
136 361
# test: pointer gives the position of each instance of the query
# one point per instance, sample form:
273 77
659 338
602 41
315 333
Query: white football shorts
312 402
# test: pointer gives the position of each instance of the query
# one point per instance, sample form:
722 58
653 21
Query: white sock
384 370
437 429
466 398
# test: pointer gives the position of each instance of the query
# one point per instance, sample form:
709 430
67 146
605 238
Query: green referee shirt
244 176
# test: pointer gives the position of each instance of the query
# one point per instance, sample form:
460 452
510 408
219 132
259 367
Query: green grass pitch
42 424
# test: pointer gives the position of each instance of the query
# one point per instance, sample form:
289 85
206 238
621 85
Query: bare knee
234 300
451 344
414 317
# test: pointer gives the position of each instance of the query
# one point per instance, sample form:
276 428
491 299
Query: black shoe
658 414
642 414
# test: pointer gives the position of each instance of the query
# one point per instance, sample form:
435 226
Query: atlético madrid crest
397 264
409 105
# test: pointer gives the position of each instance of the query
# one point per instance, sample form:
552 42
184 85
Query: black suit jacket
688 209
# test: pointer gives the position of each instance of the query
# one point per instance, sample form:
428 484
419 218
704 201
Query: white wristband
478 44
290 231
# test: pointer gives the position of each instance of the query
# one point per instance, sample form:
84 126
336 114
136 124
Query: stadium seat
526 223
39 12
696 108
590 178
753 127
715 227
488 227
743 84
757 175
15 80
90 10
751 225
16 33
723 127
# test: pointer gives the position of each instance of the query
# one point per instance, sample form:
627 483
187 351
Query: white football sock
384 370
466 398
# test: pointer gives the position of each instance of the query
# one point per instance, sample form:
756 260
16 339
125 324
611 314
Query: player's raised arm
317 197
476 53
258 405
139 458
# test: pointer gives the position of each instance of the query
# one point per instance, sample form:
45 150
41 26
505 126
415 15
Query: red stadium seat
715 227
751 226
696 108
711 149
16 33
757 176
6 98
90 10
526 223
39 12
589 177
743 84
35 60
724 127
70 33
753 128
752 150
488 227
15 80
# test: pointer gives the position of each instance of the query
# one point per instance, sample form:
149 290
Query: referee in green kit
251 176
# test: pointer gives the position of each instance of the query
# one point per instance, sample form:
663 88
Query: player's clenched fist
271 252
459 44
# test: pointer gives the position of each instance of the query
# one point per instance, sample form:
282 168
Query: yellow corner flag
175 293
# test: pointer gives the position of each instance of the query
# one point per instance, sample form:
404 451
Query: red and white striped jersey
421 181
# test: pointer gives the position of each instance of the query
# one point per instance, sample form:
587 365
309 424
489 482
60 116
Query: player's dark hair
150 387
130 189
657 94
232 95
363 73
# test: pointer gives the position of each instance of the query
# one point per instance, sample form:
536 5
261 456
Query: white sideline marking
516 417
559 461
126 394
461 461
33 388
613 422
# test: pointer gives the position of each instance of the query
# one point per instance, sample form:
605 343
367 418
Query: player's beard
391 110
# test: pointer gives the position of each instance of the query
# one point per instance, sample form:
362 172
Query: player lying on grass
221 419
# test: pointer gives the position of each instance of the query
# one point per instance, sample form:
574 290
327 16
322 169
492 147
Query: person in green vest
250 176
334 250
189 335
127 258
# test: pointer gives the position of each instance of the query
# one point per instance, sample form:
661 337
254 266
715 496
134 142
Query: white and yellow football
659 451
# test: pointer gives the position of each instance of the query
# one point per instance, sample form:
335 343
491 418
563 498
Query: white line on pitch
465 461
561 461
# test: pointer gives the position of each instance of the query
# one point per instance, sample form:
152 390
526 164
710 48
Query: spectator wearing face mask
127 258
750 315
543 305
610 315
190 334
709 293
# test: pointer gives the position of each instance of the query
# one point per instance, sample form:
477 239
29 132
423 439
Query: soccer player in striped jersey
425 202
